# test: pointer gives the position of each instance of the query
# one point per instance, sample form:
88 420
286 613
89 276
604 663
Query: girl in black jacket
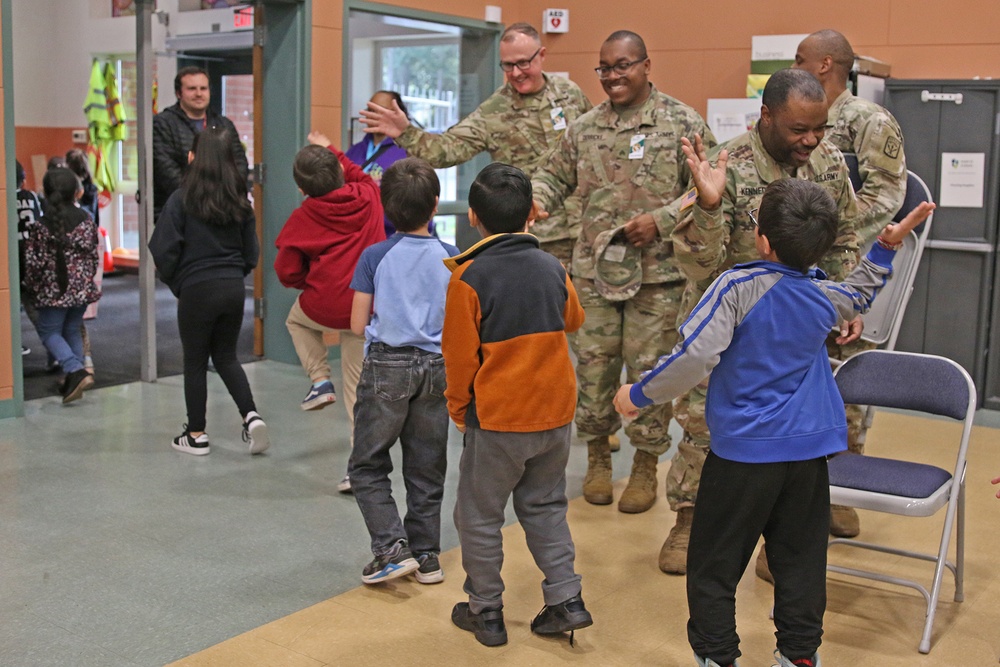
204 244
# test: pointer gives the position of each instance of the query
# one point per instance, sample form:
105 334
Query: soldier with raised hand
517 125
859 126
711 237
624 161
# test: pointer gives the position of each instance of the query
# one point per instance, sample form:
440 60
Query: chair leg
949 521
960 547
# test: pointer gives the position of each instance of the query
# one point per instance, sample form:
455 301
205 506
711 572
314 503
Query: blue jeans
59 329
400 396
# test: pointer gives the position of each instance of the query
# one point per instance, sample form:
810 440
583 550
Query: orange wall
702 50
47 141
6 349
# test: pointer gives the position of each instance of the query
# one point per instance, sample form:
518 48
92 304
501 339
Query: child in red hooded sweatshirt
318 249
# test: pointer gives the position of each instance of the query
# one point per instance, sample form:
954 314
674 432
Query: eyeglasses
753 216
520 64
620 68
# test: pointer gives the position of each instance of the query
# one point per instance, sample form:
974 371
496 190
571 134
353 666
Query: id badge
558 118
636 147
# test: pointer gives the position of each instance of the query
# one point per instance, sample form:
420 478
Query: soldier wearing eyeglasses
624 160
712 236
517 125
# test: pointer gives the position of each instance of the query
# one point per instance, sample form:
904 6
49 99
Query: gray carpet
114 338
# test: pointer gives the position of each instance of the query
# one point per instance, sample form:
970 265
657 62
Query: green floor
117 550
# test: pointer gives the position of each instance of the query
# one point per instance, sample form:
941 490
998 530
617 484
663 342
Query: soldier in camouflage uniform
517 125
787 143
624 160
858 126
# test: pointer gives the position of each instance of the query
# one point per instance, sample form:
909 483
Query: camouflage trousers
855 413
561 250
684 475
634 333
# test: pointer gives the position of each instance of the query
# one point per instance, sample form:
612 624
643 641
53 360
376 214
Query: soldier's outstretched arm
377 119
556 177
710 180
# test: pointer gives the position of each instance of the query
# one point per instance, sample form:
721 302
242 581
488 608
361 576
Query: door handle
928 96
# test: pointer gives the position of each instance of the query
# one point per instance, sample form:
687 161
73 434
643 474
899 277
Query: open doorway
442 67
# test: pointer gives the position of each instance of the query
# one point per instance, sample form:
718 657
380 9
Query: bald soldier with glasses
516 125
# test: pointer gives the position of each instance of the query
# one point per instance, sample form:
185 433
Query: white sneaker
191 445
785 662
255 433
344 485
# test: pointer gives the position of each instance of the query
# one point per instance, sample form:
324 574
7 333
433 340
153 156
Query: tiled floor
116 550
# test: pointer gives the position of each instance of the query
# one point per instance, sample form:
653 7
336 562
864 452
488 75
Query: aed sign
555 20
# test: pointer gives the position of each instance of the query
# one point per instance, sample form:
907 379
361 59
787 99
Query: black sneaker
255 433
487 625
74 385
563 617
430 571
189 444
398 562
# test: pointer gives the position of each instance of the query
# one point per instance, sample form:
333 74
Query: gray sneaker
430 571
398 562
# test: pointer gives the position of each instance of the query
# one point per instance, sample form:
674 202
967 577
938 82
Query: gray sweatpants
532 466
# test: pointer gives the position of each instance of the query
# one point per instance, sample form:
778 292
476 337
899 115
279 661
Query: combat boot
640 494
673 554
844 521
597 488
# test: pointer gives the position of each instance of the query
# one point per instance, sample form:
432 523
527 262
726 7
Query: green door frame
286 122
14 406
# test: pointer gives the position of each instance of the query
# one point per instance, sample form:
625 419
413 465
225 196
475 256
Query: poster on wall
962 180
122 8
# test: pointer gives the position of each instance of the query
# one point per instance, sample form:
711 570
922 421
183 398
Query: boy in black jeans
399 289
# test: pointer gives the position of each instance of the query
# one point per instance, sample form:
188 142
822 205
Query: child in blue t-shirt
399 293
774 413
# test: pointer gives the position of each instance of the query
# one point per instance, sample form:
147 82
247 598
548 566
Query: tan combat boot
673 554
597 488
844 521
640 494
614 442
761 568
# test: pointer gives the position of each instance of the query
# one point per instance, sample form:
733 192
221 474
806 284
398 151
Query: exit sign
243 18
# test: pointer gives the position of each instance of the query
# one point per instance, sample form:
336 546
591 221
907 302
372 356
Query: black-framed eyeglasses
753 216
520 64
620 68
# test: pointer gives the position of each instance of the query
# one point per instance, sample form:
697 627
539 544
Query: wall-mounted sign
243 18
555 20
962 180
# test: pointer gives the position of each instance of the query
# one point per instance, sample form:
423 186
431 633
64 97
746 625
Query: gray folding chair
909 381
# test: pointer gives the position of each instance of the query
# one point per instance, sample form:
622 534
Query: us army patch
892 146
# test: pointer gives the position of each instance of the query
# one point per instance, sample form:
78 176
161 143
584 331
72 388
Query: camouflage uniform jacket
856 125
514 129
709 242
597 158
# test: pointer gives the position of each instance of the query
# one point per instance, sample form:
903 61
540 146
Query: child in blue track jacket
774 414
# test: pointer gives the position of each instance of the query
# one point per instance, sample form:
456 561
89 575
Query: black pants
787 503
209 317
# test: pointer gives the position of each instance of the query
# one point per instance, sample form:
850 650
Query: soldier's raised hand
391 122
710 181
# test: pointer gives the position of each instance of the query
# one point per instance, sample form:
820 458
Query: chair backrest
883 321
908 381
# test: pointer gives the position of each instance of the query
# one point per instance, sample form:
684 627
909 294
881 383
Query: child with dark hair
318 250
76 161
29 211
60 264
204 245
508 310
399 291
774 413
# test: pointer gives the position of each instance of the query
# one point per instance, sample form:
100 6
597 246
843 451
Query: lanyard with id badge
558 118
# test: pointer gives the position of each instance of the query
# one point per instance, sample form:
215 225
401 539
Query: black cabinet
954 310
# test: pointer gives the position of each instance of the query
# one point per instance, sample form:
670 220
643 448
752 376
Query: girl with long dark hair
203 246
61 261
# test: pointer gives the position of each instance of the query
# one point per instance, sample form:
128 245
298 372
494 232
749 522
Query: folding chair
910 381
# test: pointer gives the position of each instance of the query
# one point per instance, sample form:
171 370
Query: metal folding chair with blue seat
925 383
